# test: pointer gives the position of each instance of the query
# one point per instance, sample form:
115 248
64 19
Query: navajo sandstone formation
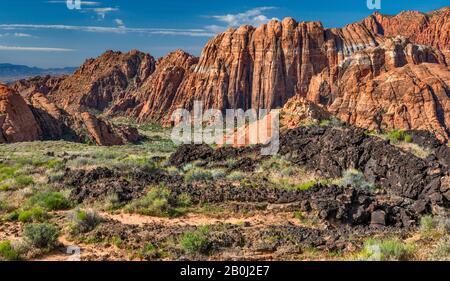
384 72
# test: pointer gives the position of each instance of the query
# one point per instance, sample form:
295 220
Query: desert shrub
7 172
54 177
356 179
428 224
386 250
236 176
7 251
434 226
184 200
54 164
218 174
22 180
42 235
197 174
112 202
160 202
84 221
32 215
442 250
196 241
306 185
5 186
149 251
396 136
52 201
408 138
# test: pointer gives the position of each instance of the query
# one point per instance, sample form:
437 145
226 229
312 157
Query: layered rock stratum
381 73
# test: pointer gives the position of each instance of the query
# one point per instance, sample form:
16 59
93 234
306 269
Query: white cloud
83 3
33 49
119 30
253 17
18 34
25 35
119 22
101 12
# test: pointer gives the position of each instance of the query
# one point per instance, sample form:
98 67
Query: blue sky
49 34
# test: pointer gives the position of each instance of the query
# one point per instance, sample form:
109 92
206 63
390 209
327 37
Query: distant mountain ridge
11 72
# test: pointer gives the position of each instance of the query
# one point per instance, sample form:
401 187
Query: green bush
160 202
236 176
218 174
196 241
54 164
42 235
149 251
428 224
396 136
33 215
356 179
306 185
386 250
7 251
197 174
7 172
52 201
442 250
22 180
408 138
84 221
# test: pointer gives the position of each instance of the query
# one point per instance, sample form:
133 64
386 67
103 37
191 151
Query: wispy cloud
101 12
24 35
253 16
33 49
83 3
119 29
18 35
119 22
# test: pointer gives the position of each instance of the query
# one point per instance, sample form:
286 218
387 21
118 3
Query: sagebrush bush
442 250
356 179
428 224
22 180
196 241
197 174
159 201
149 251
43 235
386 250
84 221
236 176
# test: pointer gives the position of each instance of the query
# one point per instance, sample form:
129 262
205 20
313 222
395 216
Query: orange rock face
409 97
17 122
346 70
104 81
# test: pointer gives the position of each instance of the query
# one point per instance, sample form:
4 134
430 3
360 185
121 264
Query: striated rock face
432 29
410 97
17 122
152 101
348 71
104 81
